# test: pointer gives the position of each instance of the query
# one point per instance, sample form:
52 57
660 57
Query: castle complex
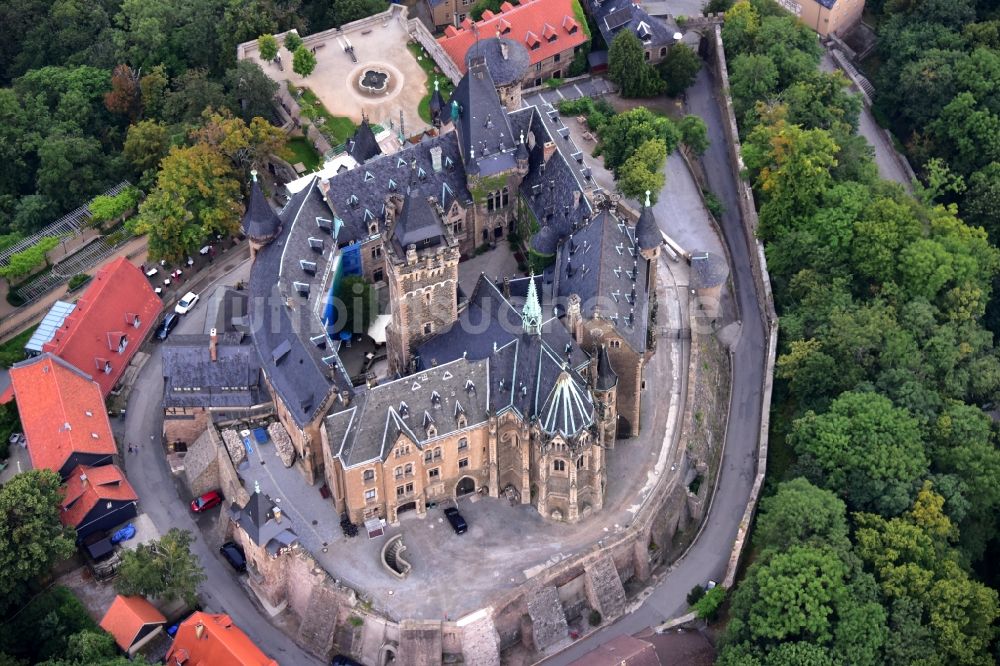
516 388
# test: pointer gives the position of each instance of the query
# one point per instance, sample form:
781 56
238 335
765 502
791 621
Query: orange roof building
205 639
97 498
110 321
548 29
63 415
133 622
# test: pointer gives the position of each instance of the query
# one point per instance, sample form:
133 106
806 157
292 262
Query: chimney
199 630
503 46
83 478
277 514
576 199
345 398
436 158
213 345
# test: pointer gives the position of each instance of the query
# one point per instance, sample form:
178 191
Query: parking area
592 87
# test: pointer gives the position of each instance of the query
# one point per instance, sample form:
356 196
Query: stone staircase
548 621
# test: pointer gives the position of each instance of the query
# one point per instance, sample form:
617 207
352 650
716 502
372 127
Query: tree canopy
628 68
165 568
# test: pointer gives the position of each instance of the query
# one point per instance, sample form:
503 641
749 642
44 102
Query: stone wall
420 33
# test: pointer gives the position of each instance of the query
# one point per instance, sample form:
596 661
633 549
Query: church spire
531 314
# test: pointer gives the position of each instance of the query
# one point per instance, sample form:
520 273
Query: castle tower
422 272
260 223
649 238
438 107
605 384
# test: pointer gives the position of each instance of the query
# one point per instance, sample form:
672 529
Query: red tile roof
102 484
213 640
621 651
523 23
106 314
62 412
127 616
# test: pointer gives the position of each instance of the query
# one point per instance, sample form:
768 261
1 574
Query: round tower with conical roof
648 237
261 224
605 388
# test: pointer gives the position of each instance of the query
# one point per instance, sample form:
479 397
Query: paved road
159 499
674 8
594 87
709 555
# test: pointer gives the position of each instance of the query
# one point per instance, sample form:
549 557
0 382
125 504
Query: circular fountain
374 81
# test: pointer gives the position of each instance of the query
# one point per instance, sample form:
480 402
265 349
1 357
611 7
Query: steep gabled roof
87 486
487 141
260 222
105 317
205 639
62 412
260 520
363 145
606 377
418 224
126 618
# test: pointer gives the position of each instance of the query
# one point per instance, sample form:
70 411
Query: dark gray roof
613 16
437 105
424 407
192 379
708 270
505 69
486 138
601 263
260 221
647 231
606 377
257 519
358 196
363 146
305 375
523 368
418 224
546 240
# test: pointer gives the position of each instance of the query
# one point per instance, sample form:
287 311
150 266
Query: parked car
341 660
169 322
457 521
185 304
233 553
210 499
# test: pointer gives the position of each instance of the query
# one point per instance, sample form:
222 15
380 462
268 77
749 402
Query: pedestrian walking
130 449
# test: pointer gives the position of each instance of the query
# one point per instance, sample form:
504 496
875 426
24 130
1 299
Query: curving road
709 555
164 499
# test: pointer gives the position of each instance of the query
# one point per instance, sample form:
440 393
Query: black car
169 322
455 518
233 553
340 660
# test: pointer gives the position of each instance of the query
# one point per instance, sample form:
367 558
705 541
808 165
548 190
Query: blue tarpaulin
260 434
124 534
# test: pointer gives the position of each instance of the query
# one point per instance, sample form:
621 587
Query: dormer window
352 201
404 409
431 431
549 33
133 320
122 344
504 26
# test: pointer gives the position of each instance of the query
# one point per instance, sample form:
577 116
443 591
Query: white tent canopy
377 329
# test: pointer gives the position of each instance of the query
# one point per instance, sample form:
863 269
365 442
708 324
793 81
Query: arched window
559 465
408 470
463 444
581 463
369 475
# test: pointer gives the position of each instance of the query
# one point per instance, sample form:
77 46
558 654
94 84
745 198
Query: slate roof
613 16
358 196
192 379
600 262
103 484
62 412
89 338
363 146
708 270
221 643
523 368
257 519
127 616
424 407
260 222
486 137
647 231
606 377
504 69
281 321
549 25
418 224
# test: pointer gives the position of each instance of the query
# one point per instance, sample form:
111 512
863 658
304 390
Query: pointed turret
647 232
531 313
437 106
363 145
260 222
606 377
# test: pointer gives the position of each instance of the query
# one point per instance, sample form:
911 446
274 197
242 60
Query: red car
207 501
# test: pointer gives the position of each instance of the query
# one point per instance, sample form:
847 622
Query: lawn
12 351
337 128
444 83
300 149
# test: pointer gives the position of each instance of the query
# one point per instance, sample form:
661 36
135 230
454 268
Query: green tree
679 69
245 145
866 449
707 608
197 196
154 91
165 568
643 171
628 68
345 11
267 45
105 208
192 93
252 90
982 200
740 28
146 143
476 13
752 78
800 514
24 263
303 61
31 537
90 648
51 619
292 41
694 134
623 133
358 303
